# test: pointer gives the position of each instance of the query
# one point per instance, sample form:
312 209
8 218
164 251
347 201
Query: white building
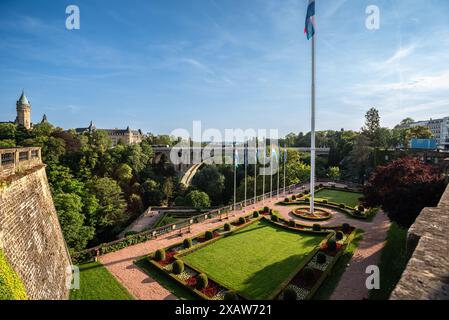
439 129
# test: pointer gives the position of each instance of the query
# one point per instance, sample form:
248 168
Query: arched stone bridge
188 170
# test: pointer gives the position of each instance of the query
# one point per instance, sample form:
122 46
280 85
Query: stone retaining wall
426 276
31 237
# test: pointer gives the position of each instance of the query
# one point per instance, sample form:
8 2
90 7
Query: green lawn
393 261
255 260
349 198
96 283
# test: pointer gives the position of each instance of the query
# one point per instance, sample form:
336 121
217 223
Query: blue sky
159 65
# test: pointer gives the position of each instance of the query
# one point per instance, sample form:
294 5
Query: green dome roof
23 99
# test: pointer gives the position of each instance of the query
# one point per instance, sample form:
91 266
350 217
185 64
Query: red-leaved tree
403 188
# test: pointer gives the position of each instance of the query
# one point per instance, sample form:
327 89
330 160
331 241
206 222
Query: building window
7 158
34 153
23 155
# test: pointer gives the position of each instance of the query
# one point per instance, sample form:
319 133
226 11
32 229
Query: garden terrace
256 259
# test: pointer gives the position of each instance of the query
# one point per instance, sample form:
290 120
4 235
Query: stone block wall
31 237
426 276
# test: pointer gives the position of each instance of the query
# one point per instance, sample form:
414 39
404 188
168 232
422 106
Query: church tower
23 111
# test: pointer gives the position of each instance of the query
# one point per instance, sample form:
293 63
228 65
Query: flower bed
319 214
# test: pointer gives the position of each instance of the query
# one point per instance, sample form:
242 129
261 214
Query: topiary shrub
320 185
321 258
308 274
324 201
306 192
187 243
293 197
255 214
290 294
242 220
230 295
178 267
227 227
202 281
342 205
339 235
286 200
208 235
346 228
274 218
331 245
316 227
292 223
159 255
300 195
361 208
266 209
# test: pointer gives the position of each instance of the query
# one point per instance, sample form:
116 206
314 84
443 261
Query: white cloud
400 54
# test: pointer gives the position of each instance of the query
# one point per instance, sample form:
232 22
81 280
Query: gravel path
351 285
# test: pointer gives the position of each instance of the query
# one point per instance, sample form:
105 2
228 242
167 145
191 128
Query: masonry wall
426 276
31 237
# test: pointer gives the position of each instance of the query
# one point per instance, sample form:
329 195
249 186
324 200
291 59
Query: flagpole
235 176
312 135
271 172
255 173
285 162
263 176
245 157
278 161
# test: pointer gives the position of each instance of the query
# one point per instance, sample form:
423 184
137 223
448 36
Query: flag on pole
309 29
274 154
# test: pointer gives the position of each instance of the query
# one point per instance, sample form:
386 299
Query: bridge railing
14 160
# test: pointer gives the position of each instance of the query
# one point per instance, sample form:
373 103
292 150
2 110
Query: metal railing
14 160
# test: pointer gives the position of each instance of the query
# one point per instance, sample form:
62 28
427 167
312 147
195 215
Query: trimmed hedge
11 286
187 243
308 274
346 228
230 295
242 220
159 255
290 294
208 235
178 267
339 235
292 223
321 258
227 227
316 227
202 281
332 245
274 218
255 214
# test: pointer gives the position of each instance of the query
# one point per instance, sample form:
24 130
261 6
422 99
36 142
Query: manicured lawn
255 260
328 287
349 198
96 283
393 261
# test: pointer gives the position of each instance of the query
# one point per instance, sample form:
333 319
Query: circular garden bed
319 214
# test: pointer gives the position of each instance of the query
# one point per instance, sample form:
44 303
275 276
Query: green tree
69 208
210 180
111 211
198 199
333 173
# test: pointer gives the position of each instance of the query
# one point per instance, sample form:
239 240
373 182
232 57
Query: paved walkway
351 286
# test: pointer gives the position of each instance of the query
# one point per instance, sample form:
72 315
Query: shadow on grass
156 275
